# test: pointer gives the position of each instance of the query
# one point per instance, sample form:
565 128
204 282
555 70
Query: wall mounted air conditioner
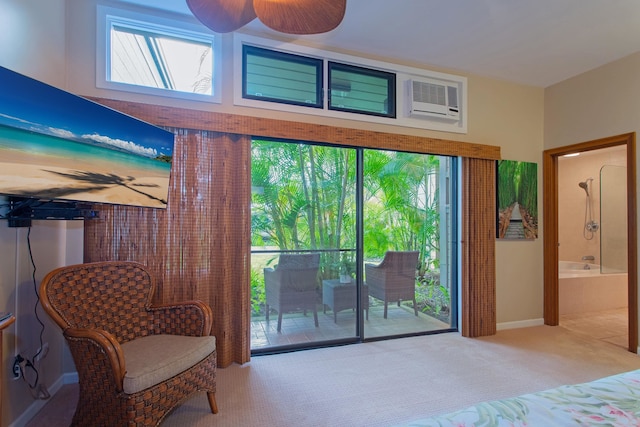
434 98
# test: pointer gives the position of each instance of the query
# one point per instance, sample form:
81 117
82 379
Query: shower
590 226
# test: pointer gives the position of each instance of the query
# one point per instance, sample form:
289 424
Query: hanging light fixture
286 16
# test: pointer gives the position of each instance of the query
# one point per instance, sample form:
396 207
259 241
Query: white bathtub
583 290
567 269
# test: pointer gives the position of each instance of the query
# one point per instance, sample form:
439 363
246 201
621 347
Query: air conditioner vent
429 93
434 98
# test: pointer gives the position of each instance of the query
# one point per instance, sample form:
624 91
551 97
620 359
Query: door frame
550 231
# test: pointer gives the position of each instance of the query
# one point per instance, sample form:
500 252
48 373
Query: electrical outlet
17 370
42 352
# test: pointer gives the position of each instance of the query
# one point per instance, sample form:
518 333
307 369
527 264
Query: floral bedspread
610 401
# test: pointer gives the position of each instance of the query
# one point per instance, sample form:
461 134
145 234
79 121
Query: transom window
362 90
270 75
149 57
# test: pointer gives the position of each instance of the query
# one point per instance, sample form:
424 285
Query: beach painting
58 146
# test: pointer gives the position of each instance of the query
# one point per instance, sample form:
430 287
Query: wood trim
632 243
283 129
550 239
550 233
3 325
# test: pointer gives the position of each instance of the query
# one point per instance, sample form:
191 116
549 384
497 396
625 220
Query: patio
298 328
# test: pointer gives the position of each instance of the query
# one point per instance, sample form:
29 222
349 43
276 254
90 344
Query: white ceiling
534 42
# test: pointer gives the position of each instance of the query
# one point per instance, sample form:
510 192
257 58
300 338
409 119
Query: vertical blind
478 247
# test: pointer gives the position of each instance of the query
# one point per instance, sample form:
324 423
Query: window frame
289 57
107 17
388 76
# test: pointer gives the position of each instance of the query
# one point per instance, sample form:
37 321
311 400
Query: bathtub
568 269
583 290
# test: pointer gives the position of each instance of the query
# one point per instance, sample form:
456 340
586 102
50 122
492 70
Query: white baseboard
519 324
33 409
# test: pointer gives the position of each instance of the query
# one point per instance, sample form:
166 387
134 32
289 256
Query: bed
610 401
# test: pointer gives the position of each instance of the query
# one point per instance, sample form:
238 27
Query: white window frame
403 76
173 27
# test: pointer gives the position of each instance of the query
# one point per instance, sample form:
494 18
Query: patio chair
135 362
394 279
292 285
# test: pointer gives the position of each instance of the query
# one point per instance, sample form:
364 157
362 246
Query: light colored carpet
390 382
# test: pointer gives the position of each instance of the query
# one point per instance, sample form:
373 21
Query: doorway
552 228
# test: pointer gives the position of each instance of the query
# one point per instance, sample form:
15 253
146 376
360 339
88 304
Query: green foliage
258 297
433 297
518 182
304 198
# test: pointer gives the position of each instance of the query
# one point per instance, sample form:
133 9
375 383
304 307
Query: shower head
585 185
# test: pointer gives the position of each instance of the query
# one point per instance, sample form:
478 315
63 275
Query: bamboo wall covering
198 247
478 248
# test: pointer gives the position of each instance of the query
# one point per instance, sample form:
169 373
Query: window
152 58
362 90
274 76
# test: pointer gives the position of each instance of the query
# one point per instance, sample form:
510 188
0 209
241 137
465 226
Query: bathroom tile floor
610 325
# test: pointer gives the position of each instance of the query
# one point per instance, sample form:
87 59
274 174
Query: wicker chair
135 362
394 279
292 285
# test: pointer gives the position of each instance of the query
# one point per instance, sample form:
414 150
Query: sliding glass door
407 243
348 244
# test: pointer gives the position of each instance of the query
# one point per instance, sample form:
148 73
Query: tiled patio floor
299 329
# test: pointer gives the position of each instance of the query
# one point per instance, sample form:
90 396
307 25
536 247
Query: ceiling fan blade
222 16
300 16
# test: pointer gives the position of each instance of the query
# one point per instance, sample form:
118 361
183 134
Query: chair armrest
190 318
374 275
97 355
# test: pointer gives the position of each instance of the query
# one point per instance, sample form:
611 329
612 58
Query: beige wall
58 46
597 104
33 42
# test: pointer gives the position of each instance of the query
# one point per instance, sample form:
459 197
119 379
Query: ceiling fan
285 16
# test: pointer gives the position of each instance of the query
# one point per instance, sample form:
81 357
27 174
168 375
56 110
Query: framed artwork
517 200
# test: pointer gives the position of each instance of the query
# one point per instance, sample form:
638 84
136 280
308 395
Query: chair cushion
153 359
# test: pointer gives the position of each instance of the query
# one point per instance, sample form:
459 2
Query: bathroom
592 233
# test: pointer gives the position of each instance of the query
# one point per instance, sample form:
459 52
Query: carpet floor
389 382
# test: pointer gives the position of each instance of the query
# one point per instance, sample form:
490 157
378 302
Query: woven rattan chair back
111 296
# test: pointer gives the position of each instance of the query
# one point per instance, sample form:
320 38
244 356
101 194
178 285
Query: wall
33 43
57 45
597 104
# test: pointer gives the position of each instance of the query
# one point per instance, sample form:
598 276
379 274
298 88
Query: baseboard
519 324
33 409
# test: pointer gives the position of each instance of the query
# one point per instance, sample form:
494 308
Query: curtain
478 247
199 246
